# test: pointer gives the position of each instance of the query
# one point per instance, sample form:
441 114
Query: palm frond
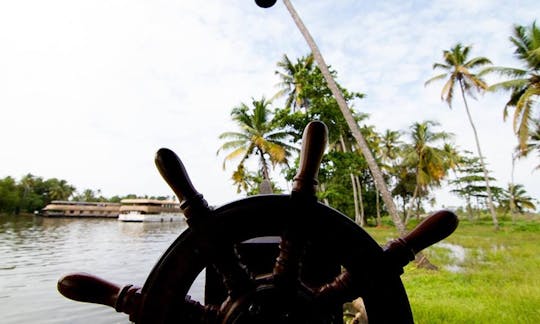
231 145
476 62
232 135
508 85
436 78
447 92
241 151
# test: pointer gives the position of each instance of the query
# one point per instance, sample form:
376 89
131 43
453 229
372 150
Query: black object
265 3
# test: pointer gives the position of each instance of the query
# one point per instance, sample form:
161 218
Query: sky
90 90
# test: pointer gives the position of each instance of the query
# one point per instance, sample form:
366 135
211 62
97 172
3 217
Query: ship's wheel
268 258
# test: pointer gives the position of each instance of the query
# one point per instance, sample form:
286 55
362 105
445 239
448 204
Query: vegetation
525 86
412 162
427 161
32 193
496 280
363 147
259 136
459 73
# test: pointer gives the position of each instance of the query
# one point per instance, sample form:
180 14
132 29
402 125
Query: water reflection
35 252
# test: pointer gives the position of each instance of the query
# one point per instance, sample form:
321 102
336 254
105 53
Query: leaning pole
355 129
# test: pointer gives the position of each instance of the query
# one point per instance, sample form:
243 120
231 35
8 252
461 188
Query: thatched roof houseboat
62 208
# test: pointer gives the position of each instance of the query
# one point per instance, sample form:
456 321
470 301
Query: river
36 251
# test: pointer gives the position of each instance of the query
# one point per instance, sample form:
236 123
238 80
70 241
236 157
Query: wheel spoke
303 200
339 291
236 277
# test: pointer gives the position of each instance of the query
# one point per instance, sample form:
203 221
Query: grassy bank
485 276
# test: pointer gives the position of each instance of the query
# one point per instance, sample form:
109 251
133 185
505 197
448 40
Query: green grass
498 281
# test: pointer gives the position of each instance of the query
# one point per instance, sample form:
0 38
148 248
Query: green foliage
31 193
458 72
524 87
9 196
515 199
260 135
470 184
336 170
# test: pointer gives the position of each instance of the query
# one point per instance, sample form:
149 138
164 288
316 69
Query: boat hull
137 217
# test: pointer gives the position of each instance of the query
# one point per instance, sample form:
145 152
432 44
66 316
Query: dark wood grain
313 144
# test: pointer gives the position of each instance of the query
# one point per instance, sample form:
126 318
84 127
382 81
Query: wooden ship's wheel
268 258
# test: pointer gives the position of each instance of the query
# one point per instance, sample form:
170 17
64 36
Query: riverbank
485 276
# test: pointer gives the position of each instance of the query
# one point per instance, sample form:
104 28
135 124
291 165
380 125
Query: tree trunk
265 187
480 156
511 189
469 209
360 200
355 130
378 207
411 204
357 217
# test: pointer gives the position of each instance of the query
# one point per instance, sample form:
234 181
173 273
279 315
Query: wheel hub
270 304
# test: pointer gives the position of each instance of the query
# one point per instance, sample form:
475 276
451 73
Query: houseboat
150 210
62 208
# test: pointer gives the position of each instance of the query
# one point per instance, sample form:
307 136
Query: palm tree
525 85
258 136
533 143
390 151
59 189
428 160
293 78
457 69
88 195
349 118
515 199
389 146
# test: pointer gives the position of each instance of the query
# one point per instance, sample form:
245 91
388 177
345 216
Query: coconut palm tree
427 159
258 136
458 70
525 85
515 199
389 146
59 189
533 143
293 78
351 122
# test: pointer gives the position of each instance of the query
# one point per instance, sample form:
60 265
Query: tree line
413 161
31 193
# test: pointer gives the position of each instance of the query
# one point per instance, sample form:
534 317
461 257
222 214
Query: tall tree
351 122
426 157
258 136
320 104
470 183
525 86
516 200
9 198
458 70
293 80
533 144
59 189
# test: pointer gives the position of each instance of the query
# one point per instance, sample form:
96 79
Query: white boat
150 210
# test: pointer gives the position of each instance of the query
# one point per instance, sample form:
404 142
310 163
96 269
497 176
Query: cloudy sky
89 90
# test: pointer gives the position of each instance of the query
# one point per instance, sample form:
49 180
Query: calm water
35 252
